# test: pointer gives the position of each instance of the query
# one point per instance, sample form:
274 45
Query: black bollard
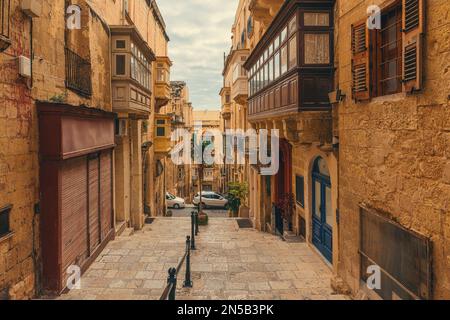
172 279
193 230
187 280
196 224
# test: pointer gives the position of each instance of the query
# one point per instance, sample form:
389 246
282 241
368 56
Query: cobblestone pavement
229 263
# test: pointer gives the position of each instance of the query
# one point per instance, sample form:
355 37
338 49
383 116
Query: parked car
210 200
174 201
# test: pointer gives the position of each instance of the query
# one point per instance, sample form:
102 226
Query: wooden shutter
106 193
360 61
413 28
94 220
74 198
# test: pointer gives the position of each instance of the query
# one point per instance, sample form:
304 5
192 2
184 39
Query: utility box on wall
24 67
32 8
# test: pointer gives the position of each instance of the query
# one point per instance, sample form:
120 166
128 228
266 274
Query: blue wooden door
322 215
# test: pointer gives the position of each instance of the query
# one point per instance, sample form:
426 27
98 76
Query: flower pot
244 212
203 219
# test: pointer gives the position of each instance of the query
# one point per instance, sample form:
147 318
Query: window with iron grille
4 24
4 221
300 190
78 73
388 53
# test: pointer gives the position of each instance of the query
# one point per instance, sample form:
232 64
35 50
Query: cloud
200 32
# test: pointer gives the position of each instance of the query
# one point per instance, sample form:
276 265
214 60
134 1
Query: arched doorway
322 213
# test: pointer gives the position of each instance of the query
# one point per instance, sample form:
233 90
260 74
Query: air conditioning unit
32 8
24 67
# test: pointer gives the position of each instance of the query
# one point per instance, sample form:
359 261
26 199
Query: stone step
120 228
128 232
291 237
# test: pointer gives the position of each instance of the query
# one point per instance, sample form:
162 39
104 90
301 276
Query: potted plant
287 207
237 197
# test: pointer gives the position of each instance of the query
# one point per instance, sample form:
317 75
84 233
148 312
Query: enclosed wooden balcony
162 84
162 143
225 95
291 72
132 74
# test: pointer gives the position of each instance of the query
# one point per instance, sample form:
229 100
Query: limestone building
394 155
77 121
209 120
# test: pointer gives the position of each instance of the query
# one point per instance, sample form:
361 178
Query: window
120 44
284 60
120 65
292 26
300 190
270 70
160 131
317 19
293 52
317 48
140 67
277 64
266 74
389 73
283 35
4 221
387 61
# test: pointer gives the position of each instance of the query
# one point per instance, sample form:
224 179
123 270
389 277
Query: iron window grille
5 7
4 221
300 190
78 73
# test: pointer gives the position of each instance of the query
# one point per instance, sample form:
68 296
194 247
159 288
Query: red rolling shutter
74 240
106 193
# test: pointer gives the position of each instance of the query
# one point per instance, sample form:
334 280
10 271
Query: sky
200 33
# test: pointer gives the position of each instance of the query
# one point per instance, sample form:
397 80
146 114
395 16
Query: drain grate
244 224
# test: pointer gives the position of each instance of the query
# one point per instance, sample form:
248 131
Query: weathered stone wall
18 165
395 150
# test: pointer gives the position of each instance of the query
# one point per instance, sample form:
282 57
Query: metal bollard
187 280
172 279
196 224
193 230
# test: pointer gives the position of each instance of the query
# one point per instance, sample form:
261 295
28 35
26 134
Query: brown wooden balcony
163 89
162 143
225 95
239 90
132 72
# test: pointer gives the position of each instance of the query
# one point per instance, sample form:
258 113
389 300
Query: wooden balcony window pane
317 19
284 59
293 25
283 35
120 65
277 63
270 70
293 52
317 48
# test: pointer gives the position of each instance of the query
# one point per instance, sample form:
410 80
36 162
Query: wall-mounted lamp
336 96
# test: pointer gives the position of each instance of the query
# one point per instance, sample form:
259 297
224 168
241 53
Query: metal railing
78 73
5 7
171 288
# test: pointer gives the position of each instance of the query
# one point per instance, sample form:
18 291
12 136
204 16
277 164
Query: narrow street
229 263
